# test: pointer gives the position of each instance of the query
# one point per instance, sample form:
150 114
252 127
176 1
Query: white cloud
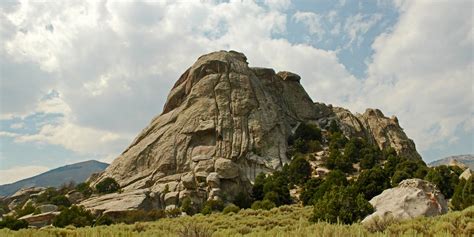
114 63
312 21
358 25
20 172
422 70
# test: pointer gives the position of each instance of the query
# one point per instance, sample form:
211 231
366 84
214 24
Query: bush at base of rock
231 208
212 206
131 217
108 185
61 200
299 170
265 205
12 223
243 200
444 179
339 205
75 215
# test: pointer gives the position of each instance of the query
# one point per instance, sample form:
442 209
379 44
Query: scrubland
280 221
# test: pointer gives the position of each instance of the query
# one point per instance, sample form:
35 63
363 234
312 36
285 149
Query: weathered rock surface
121 202
21 196
224 123
380 130
466 174
411 198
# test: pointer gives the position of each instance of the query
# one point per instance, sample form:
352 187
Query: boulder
226 168
122 202
171 198
213 180
456 163
189 181
40 220
411 198
466 174
47 208
75 197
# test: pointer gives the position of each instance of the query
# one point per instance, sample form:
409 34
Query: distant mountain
77 172
465 159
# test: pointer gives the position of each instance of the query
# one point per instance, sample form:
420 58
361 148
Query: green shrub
243 200
187 206
27 209
399 176
46 196
333 127
444 178
108 185
61 200
463 196
231 208
103 220
257 188
309 189
337 161
12 223
174 212
131 217
265 205
277 183
339 205
74 215
211 206
372 182
337 140
333 178
85 189
299 170
308 132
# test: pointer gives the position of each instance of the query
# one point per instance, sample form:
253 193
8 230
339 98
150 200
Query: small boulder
213 180
171 198
188 181
48 208
75 197
410 199
226 168
466 174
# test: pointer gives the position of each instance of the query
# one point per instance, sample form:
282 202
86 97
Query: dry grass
278 222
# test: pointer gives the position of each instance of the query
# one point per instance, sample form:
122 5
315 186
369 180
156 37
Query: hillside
77 172
467 159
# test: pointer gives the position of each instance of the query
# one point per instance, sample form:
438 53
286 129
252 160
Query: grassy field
282 221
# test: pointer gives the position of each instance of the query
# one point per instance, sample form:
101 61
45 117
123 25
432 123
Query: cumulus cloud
422 70
112 64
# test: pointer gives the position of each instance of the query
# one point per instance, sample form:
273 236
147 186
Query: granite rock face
224 123
410 199
122 202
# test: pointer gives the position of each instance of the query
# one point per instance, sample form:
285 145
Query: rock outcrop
122 202
411 198
224 123
466 174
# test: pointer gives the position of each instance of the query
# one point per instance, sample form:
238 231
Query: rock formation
411 198
224 123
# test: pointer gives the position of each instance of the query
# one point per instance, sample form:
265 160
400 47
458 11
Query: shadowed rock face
224 123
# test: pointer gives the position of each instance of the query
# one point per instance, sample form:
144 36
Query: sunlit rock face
224 123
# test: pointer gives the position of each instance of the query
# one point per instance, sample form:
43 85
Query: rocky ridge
224 123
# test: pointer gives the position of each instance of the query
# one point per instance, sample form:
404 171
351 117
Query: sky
80 79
